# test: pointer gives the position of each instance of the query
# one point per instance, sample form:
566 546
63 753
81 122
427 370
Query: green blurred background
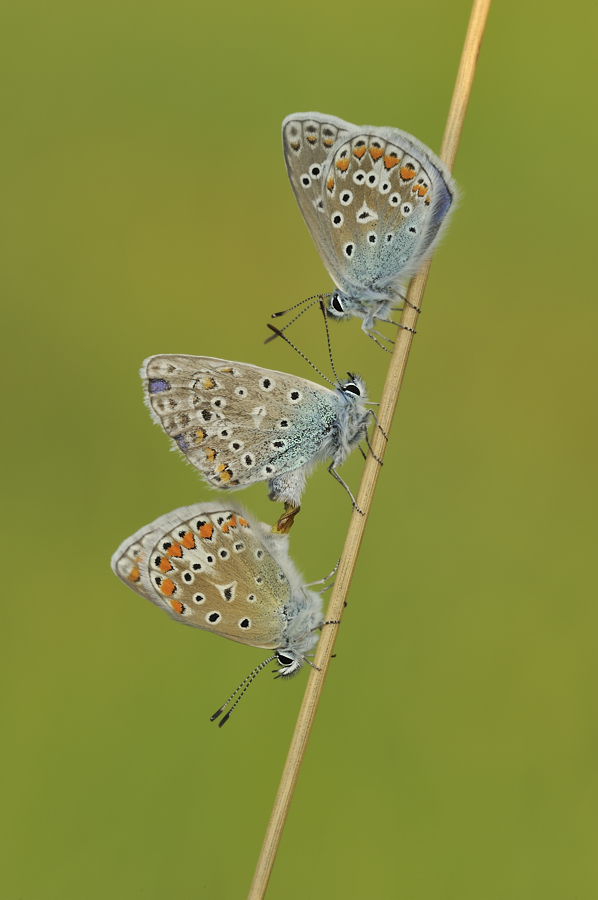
146 209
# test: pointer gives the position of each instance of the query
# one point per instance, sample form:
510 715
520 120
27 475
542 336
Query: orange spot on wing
311 138
390 161
134 574
243 522
328 142
407 172
359 151
199 435
177 606
420 190
168 587
209 383
342 164
376 152
232 522
164 565
225 528
210 454
226 370
188 541
427 200
295 144
330 183
224 473
175 550
206 531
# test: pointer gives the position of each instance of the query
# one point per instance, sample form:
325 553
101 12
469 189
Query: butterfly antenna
298 316
291 308
296 349
244 685
328 338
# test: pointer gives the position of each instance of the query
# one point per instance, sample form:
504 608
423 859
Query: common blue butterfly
214 567
375 201
239 423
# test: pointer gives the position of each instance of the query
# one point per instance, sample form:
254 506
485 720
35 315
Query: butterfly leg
383 336
367 440
325 579
404 327
333 472
377 342
409 303
375 418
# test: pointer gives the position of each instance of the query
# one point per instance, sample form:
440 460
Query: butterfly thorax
369 307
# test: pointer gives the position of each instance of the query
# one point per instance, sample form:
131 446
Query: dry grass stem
369 480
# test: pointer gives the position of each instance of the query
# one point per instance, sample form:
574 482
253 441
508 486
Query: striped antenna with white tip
246 681
283 312
323 308
297 350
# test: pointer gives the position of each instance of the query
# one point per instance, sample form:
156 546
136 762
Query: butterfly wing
385 199
237 423
307 141
129 562
207 566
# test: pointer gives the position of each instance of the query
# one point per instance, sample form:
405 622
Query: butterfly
240 424
375 201
214 567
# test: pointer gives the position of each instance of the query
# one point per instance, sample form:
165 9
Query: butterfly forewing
235 422
129 562
210 569
307 141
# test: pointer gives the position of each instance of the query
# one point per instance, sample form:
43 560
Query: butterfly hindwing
384 201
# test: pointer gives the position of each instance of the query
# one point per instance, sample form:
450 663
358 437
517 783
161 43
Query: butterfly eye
284 660
352 388
337 304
